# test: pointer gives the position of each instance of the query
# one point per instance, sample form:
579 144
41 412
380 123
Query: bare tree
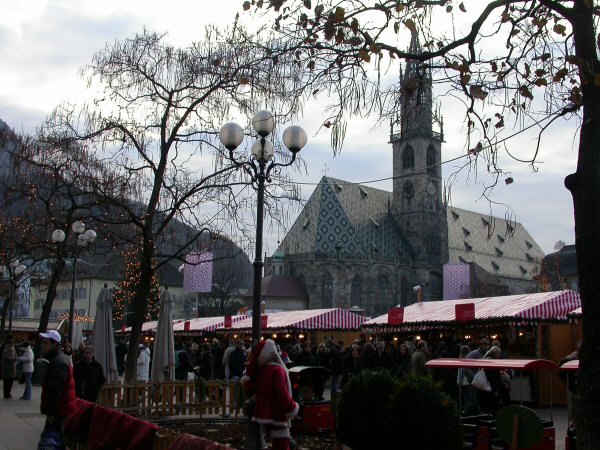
155 121
525 62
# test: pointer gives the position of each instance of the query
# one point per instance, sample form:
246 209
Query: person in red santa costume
267 380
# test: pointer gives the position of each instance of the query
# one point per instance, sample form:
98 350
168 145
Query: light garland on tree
128 285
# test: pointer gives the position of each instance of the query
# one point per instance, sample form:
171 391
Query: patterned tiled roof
501 247
355 221
349 219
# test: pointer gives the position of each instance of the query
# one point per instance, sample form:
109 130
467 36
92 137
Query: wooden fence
174 398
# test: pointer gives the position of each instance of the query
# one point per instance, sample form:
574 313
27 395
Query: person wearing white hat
267 378
58 386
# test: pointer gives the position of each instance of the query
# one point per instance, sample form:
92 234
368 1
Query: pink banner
197 272
464 312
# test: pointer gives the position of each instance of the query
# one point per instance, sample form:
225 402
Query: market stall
315 325
202 325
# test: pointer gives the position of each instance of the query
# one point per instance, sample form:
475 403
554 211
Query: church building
357 246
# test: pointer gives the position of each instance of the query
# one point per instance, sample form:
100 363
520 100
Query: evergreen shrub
378 411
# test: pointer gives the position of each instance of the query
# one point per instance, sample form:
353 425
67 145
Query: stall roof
204 324
147 327
31 325
518 364
570 366
538 306
311 319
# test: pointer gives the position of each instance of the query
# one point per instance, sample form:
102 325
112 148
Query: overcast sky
43 43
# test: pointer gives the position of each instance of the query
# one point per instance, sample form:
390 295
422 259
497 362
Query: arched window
431 160
355 292
383 294
327 290
408 158
404 290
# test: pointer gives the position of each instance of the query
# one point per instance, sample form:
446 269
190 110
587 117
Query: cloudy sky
43 43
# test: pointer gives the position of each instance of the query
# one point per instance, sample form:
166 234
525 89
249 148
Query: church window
383 287
466 232
355 292
327 290
495 266
499 252
431 162
404 292
455 215
509 229
529 257
337 187
501 239
529 245
363 193
486 223
468 246
462 260
408 158
523 270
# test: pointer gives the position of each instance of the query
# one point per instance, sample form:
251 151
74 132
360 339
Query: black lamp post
258 167
84 238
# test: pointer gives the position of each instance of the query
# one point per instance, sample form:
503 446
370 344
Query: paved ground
21 422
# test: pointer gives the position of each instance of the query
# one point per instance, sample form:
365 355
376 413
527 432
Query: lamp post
258 167
16 270
84 238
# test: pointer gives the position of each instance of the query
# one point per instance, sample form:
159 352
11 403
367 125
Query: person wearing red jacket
267 379
58 386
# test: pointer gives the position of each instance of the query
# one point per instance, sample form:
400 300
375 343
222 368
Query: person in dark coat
236 361
352 364
218 352
89 376
9 365
305 357
381 359
206 362
184 362
403 361
121 351
58 386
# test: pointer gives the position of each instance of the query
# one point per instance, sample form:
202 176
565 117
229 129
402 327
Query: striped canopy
203 324
538 306
147 327
306 320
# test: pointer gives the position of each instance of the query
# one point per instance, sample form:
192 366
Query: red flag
464 312
228 321
396 315
186 325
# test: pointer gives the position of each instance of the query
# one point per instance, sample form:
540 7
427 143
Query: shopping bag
50 439
481 382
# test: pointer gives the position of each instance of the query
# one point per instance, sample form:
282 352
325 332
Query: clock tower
418 205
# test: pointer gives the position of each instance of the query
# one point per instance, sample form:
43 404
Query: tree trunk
140 305
7 300
584 185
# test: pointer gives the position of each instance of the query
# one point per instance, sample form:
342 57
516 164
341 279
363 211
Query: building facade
353 245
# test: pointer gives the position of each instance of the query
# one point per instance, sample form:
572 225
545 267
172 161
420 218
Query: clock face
408 189
431 188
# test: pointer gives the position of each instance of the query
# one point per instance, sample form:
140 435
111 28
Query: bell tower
418 206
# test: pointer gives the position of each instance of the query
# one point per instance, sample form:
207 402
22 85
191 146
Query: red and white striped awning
538 306
306 320
204 324
147 327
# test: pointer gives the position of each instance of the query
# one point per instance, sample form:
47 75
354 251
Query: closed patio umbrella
163 357
77 335
103 339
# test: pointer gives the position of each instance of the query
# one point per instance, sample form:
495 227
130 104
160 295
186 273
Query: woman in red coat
267 379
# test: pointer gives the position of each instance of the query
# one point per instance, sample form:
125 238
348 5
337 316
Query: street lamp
16 270
84 238
259 166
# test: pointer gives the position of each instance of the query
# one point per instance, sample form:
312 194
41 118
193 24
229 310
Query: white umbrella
163 357
77 335
103 339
